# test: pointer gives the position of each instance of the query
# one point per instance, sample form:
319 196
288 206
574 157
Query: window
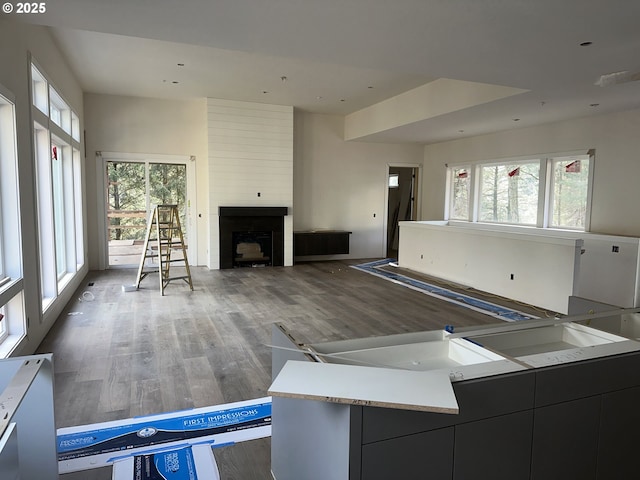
59 187
12 318
569 191
394 180
39 91
57 175
75 127
509 193
60 112
550 191
4 331
77 225
460 193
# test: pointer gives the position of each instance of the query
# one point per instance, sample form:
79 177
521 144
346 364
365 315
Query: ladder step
164 242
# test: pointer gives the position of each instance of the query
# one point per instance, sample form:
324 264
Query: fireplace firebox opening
252 249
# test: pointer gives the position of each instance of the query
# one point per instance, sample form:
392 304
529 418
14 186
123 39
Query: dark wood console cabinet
321 242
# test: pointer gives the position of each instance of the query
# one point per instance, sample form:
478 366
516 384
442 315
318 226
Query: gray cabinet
565 440
577 420
619 437
490 438
496 448
416 457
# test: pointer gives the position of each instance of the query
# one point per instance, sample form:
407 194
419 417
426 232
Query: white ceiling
339 56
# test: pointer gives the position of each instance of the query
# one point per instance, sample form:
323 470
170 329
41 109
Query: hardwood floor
122 354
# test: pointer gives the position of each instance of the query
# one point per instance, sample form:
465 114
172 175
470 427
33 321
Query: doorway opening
133 187
401 203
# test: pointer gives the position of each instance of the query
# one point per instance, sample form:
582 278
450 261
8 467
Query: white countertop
429 391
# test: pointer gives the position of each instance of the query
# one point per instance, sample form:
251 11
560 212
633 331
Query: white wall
545 268
607 274
16 41
250 163
615 138
335 184
342 185
146 126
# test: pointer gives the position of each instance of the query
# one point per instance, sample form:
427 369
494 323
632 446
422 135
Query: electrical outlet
512 276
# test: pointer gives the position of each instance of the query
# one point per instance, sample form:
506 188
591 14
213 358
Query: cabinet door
565 440
619 438
427 455
494 449
478 399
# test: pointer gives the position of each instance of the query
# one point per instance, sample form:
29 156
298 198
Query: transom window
549 191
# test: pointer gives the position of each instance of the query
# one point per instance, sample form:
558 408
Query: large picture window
59 187
550 191
12 317
509 193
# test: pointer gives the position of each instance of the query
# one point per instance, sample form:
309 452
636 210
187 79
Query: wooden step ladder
164 237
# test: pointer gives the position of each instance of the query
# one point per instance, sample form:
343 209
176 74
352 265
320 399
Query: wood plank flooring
121 354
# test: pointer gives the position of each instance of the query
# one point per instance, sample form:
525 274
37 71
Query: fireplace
251 249
251 236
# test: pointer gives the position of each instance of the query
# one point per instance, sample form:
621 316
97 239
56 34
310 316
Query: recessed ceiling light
460 131
586 44
265 91
283 78
175 82
369 86
181 64
319 97
342 100
516 119
594 104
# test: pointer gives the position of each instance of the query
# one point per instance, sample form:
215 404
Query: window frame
545 184
39 90
13 323
62 117
512 166
550 205
59 202
450 205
